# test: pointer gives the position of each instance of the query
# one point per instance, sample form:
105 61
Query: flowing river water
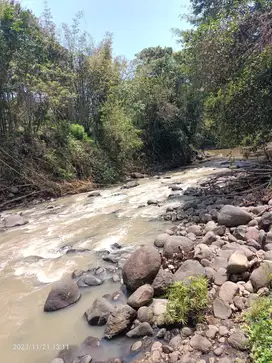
31 258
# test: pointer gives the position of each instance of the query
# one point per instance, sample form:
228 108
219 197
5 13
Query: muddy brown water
31 260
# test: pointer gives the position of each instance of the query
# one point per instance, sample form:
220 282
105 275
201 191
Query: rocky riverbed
109 303
217 237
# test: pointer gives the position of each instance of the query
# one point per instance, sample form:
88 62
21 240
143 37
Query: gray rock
95 193
201 343
145 314
209 238
212 331
99 312
174 357
175 244
131 184
238 340
195 229
152 202
189 268
205 218
203 251
175 342
240 232
119 321
237 263
142 267
61 295
77 273
162 281
268 255
227 291
88 280
219 351
142 296
161 239
268 247
161 333
14 220
57 360
137 175
265 221
209 273
248 286
231 216
221 309
261 277
239 302
220 276
223 331
140 330
186 332
167 349
252 233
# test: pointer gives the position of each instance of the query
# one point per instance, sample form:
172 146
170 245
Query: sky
135 24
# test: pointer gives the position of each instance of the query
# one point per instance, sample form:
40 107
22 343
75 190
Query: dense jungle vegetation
70 111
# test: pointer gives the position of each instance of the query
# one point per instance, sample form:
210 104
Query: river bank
35 255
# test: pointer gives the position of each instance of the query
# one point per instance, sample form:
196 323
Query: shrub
259 329
78 132
187 300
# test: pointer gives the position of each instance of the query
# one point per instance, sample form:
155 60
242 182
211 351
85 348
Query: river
31 258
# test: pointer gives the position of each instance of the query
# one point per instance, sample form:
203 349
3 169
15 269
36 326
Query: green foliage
229 58
259 329
187 300
78 132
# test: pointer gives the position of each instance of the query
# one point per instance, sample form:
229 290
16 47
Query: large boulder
142 296
142 267
176 244
162 281
189 268
99 312
62 294
231 216
262 276
237 263
119 321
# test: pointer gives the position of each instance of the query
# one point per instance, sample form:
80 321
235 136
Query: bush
78 132
187 301
259 329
